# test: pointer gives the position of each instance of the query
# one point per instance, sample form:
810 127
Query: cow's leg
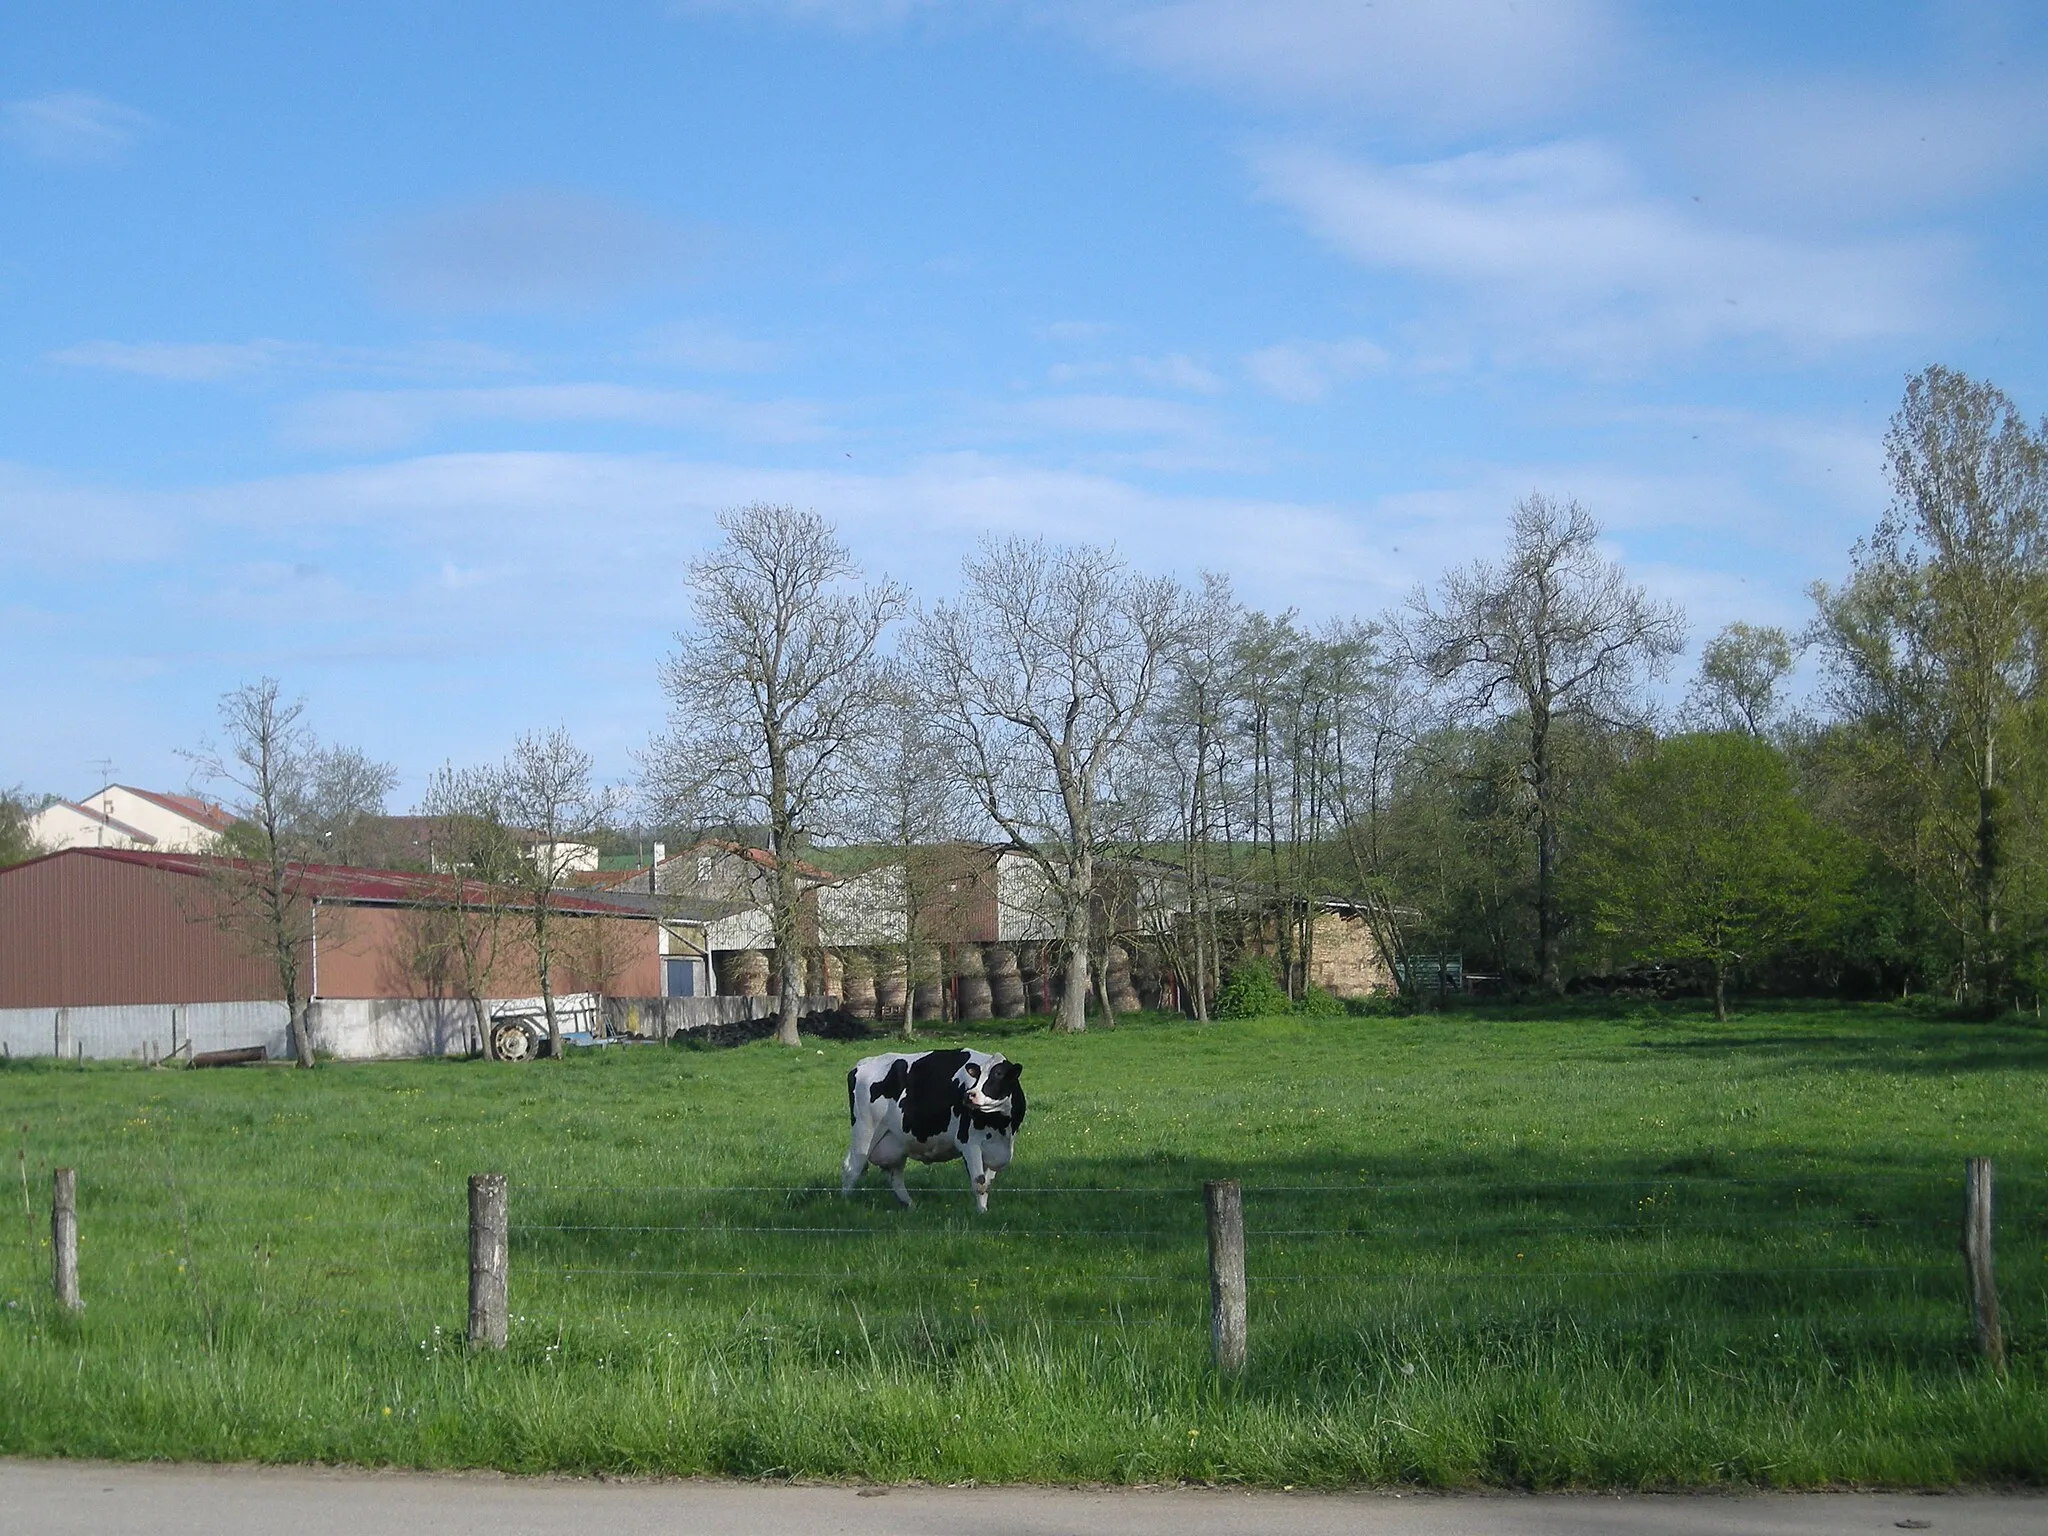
902 1190
856 1158
978 1175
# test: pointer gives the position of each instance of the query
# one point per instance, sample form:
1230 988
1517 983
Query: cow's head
983 1087
994 1091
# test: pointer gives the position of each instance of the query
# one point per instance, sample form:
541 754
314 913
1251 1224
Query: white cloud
1174 371
189 361
207 361
71 128
378 420
708 349
1305 371
524 250
1177 371
1446 63
1562 257
1078 330
1120 432
1814 150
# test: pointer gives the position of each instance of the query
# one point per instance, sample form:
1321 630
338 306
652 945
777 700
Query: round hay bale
1005 982
857 979
1031 976
976 999
747 973
1148 976
889 984
931 983
1123 997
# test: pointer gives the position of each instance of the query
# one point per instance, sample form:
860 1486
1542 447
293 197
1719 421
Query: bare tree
1187 740
547 792
266 764
468 842
1741 680
1039 675
906 802
1552 634
345 797
779 677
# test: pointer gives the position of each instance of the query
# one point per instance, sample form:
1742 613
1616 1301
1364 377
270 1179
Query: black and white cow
933 1106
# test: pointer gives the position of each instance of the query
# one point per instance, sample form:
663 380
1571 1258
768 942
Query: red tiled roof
191 807
338 882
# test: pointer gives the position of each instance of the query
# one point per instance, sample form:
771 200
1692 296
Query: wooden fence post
488 1260
64 1238
1977 1255
1225 1203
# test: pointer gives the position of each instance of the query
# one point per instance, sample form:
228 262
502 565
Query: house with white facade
121 816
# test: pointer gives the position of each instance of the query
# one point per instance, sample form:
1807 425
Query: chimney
660 853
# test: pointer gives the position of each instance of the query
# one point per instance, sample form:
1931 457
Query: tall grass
1583 1250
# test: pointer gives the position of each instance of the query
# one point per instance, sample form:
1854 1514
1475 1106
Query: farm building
120 816
117 939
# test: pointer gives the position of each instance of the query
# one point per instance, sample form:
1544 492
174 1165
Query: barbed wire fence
1247 1266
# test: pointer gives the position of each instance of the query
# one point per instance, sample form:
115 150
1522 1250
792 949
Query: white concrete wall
61 826
133 1031
173 833
1027 909
750 929
866 908
384 1029
346 1028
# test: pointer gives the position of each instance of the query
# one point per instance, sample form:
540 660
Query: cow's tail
850 1076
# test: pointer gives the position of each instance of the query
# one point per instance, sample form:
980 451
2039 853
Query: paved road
45 1498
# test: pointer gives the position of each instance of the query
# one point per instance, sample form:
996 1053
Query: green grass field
1486 1249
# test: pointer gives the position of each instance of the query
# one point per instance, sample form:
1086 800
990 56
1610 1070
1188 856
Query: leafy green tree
1553 635
1741 681
15 843
1937 651
1702 854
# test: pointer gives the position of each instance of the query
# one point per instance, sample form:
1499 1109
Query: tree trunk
1720 993
1546 861
302 1037
1989 967
482 1046
910 991
789 961
1073 1016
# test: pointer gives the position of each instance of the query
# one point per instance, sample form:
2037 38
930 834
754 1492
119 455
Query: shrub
1249 992
1317 1004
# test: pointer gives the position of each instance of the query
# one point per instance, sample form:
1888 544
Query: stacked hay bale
1123 997
931 983
857 976
976 999
827 974
889 983
747 973
1005 982
1147 976
1031 976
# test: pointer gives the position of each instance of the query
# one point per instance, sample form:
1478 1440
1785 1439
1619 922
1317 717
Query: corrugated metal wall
156 1029
77 930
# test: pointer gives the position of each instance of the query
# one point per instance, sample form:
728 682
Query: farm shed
98 932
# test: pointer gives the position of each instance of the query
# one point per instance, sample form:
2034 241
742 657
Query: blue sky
406 352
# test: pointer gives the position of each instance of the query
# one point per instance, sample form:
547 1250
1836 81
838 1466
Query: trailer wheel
513 1040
